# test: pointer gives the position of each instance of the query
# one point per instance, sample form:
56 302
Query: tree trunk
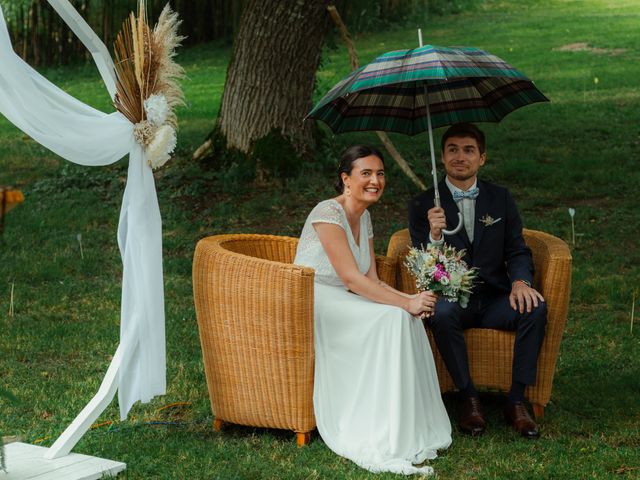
271 76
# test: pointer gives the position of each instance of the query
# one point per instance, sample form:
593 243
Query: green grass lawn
579 151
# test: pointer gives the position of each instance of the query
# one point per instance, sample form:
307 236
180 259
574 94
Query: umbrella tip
420 37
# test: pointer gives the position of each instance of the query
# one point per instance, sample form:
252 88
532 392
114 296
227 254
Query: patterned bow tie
472 194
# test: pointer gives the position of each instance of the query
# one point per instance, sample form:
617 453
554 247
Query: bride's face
366 181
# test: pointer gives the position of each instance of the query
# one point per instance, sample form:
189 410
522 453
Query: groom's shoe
471 420
517 416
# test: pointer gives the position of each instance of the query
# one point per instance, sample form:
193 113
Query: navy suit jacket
498 250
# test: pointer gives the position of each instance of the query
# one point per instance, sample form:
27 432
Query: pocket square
488 220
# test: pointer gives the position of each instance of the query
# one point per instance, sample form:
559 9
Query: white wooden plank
90 413
27 462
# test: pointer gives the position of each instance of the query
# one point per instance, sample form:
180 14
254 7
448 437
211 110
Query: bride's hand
422 304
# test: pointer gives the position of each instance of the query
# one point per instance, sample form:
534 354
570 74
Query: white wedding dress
376 395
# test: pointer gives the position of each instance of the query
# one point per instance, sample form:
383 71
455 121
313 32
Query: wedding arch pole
108 388
89 414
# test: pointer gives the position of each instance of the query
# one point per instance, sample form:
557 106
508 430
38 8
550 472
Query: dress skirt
376 396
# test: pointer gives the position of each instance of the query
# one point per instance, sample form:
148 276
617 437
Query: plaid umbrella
462 85
410 91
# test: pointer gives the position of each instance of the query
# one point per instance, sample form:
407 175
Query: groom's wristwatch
526 282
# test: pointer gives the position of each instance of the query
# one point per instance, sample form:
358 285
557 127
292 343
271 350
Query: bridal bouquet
441 270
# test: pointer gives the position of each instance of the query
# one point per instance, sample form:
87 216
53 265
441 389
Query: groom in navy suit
502 297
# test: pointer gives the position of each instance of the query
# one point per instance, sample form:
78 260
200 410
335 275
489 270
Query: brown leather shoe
471 420
517 415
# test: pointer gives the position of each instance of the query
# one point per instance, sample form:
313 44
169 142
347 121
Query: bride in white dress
376 395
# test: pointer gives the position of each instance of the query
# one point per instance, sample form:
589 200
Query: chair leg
538 411
303 438
218 423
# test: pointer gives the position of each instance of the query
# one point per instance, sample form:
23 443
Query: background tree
270 81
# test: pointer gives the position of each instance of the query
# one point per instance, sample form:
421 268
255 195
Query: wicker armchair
491 351
255 318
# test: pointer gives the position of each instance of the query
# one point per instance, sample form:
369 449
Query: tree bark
271 76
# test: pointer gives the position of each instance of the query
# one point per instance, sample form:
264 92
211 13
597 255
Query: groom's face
462 158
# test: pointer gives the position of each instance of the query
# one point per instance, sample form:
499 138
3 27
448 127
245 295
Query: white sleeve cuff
436 242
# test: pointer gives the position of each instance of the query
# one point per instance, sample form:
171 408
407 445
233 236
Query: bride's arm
334 241
373 273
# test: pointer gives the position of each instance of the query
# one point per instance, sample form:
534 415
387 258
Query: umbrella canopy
410 91
391 93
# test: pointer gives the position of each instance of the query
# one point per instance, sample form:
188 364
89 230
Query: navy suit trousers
488 311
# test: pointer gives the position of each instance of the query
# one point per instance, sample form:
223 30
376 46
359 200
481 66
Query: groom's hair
349 156
465 130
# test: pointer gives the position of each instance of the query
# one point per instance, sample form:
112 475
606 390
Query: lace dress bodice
310 252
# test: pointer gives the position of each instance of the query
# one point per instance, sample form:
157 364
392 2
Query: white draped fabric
86 136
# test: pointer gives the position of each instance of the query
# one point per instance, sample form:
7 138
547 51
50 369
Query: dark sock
470 391
516 394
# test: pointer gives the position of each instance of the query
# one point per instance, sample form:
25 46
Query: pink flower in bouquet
441 275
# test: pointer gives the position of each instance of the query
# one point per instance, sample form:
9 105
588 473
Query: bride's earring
348 190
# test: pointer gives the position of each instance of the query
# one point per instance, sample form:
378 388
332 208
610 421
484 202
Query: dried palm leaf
145 64
129 61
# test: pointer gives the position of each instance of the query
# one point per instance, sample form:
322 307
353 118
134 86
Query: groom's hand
437 222
523 297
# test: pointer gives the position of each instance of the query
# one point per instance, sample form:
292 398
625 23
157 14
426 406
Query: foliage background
40 36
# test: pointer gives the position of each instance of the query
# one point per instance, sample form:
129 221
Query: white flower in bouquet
429 262
161 146
441 270
157 109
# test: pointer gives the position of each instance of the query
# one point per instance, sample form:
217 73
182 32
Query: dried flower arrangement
147 79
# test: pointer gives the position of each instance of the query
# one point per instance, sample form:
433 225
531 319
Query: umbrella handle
436 201
457 229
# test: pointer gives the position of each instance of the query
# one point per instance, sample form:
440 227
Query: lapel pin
488 220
